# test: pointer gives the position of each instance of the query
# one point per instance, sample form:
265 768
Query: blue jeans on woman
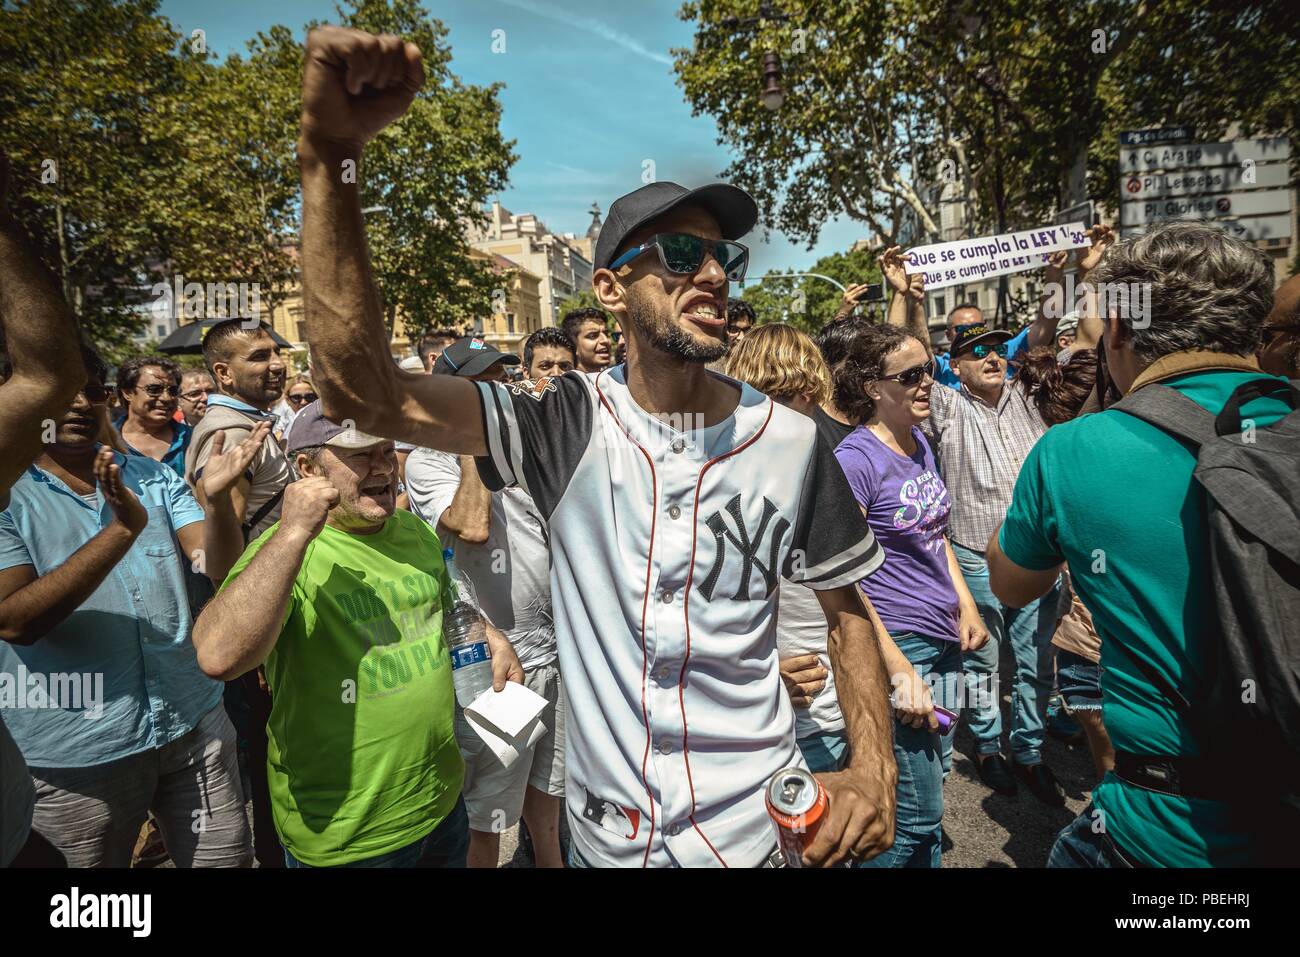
924 758
1029 630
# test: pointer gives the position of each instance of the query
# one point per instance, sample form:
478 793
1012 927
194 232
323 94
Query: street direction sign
1222 179
1134 159
1166 134
1203 207
1248 228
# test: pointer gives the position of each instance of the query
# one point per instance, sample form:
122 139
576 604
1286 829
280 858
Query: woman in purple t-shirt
919 592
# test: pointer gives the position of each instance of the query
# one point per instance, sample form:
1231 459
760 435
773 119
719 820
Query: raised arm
1051 305
907 307
1091 325
354 85
41 339
229 642
220 536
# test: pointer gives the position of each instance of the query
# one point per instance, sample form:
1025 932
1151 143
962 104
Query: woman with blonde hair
786 364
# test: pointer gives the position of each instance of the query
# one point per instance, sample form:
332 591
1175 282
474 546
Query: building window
510 322
161 331
940 308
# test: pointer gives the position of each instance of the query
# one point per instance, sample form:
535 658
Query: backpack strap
1159 681
1170 411
261 513
1229 419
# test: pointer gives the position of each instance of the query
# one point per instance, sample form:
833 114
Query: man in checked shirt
981 433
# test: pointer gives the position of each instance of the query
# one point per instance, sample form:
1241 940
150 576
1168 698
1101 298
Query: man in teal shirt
1113 498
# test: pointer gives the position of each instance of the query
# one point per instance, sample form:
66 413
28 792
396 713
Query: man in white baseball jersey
702 492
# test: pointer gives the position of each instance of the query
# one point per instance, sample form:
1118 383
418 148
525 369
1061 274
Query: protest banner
970 260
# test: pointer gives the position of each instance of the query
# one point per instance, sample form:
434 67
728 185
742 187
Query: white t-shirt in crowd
801 630
511 571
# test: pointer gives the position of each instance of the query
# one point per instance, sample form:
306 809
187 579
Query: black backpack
1250 718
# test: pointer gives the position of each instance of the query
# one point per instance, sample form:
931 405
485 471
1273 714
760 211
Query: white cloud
589 25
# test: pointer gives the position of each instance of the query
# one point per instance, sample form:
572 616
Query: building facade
559 262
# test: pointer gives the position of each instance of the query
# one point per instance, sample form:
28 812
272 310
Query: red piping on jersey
686 611
649 562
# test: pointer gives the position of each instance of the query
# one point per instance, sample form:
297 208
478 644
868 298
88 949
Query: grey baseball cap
733 208
311 429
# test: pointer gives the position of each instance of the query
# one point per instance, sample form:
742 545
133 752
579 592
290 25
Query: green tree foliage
808 302
137 156
87 97
1015 103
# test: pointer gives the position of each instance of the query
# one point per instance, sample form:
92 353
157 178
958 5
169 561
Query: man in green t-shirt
1114 498
343 602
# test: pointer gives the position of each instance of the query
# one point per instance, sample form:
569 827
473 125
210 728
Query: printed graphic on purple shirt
907 507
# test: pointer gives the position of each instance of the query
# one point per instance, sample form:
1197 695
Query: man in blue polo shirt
1114 498
99 682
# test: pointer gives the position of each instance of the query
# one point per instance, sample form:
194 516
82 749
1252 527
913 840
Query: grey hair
1207 290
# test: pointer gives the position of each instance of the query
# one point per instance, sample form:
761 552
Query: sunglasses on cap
683 254
303 398
983 349
912 376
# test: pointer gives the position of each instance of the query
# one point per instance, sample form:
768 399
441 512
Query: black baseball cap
470 355
974 333
733 208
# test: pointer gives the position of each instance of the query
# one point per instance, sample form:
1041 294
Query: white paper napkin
508 721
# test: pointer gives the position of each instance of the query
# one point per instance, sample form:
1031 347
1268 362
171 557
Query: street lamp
773 96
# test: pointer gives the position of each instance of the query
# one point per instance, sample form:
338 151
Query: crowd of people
715 549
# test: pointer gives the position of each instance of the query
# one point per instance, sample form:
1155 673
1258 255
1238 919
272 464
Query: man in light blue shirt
39 375
98 678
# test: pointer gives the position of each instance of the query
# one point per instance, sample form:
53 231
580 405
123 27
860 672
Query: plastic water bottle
466 637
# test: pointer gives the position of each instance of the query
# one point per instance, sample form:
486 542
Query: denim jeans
1030 632
824 752
1080 845
447 845
923 757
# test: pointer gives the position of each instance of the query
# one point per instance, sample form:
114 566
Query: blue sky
589 95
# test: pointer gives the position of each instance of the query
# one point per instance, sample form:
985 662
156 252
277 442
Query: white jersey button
674 830
667 597
674 512
679 445
661 674
665 747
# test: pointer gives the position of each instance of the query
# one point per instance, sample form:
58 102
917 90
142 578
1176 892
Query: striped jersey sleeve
833 545
537 433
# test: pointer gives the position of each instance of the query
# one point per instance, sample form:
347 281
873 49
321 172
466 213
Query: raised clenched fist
355 83
307 502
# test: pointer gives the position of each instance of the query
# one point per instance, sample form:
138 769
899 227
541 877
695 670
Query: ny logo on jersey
748 548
